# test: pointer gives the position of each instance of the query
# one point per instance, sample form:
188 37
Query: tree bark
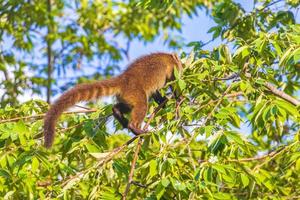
49 53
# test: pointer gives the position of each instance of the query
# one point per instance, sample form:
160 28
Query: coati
143 78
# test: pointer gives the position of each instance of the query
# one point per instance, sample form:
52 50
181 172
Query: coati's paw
136 131
119 116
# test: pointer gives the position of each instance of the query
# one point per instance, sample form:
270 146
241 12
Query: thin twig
117 150
188 141
276 153
217 104
254 12
269 5
136 155
138 184
42 115
79 106
138 148
120 148
206 43
272 88
229 77
178 104
231 95
271 154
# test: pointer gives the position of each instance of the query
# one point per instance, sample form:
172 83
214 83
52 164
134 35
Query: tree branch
269 5
120 148
49 52
282 95
272 88
271 154
210 114
117 150
42 115
138 148
136 155
138 184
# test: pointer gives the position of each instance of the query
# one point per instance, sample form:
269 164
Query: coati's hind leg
118 112
139 104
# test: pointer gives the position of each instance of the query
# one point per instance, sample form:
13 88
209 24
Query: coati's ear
177 59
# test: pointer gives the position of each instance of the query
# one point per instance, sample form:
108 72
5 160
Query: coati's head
173 61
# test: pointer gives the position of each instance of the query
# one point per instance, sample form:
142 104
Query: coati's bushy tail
81 92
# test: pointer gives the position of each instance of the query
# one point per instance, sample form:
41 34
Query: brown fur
133 87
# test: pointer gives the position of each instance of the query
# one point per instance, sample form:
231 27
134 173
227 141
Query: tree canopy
233 134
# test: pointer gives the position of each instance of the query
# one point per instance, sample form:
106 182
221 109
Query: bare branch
282 95
49 52
138 184
271 154
82 107
217 104
272 88
136 155
42 115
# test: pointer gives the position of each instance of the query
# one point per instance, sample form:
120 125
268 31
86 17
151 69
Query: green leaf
92 148
244 51
160 190
179 186
152 168
298 165
208 130
5 174
207 175
245 180
4 135
296 55
100 156
288 107
285 57
176 73
165 182
221 195
234 136
217 143
277 47
216 31
181 84
35 164
226 52
219 168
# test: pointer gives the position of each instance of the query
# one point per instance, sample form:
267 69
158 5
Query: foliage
197 147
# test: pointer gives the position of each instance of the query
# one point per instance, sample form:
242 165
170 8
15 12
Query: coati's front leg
118 112
158 98
175 93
